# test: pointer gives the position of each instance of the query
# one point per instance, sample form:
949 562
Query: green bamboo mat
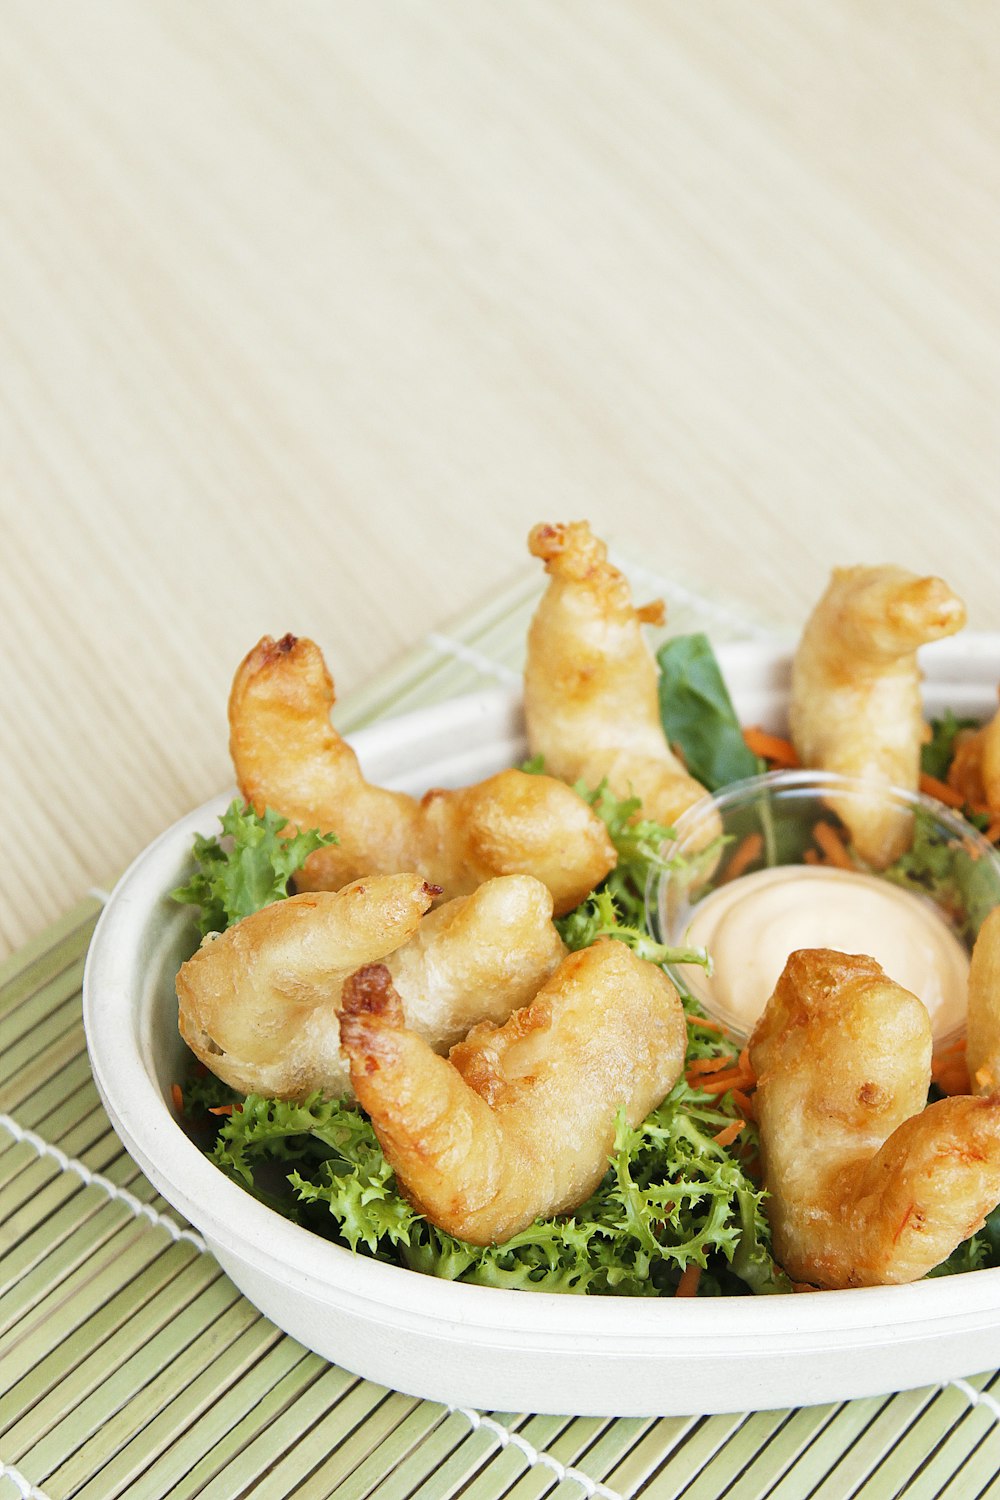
130 1365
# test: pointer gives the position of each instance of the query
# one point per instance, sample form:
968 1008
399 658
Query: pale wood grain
308 311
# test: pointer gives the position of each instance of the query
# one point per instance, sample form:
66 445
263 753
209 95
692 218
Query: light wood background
309 309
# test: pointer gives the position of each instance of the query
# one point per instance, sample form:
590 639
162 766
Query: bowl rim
238 1225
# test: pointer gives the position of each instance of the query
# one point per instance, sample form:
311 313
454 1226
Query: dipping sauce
751 925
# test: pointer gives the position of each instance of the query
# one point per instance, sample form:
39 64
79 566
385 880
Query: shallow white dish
476 1346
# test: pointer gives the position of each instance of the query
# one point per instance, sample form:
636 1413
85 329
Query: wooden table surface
309 310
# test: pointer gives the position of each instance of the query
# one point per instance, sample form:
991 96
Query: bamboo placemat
130 1365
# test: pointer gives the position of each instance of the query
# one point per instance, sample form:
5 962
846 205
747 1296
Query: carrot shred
992 833
812 858
721 1083
727 1136
709 1065
932 787
688 1284
178 1097
743 856
832 845
772 747
704 1022
743 1103
222 1109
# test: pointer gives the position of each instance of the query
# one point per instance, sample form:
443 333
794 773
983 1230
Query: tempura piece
855 704
975 768
519 1121
983 1021
289 757
590 681
866 1185
259 1004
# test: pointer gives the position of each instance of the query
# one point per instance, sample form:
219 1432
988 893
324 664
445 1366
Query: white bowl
477 1346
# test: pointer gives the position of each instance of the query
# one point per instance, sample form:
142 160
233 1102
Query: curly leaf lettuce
246 869
671 1197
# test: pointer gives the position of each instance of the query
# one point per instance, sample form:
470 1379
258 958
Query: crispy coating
590 681
259 1004
289 757
867 1186
518 1122
983 1020
855 705
975 768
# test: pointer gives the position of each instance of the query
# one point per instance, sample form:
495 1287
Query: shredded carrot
745 1064
653 613
812 858
704 1022
941 790
743 856
832 845
727 1136
710 1065
688 1284
772 747
721 1083
222 1109
993 832
177 1097
743 1103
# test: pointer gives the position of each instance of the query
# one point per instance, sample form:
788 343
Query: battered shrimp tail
258 1004
855 704
440 1137
590 683
289 757
519 1122
866 1186
892 611
983 1020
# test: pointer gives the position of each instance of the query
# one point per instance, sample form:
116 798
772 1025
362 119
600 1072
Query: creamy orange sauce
751 925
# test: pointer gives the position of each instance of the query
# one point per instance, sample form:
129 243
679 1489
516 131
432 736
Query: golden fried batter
289 757
983 1021
866 1185
590 683
855 704
975 768
519 1121
259 1004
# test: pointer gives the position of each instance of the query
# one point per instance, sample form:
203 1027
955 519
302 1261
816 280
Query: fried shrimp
259 1004
289 757
518 1122
590 683
983 1020
975 768
866 1186
855 704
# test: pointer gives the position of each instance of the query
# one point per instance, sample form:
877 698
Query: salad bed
680 1210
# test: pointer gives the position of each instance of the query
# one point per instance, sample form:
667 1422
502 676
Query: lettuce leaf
248 868
937 755
698 714
936 865
671 1198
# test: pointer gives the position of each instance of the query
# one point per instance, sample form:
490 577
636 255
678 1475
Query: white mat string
95 1179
